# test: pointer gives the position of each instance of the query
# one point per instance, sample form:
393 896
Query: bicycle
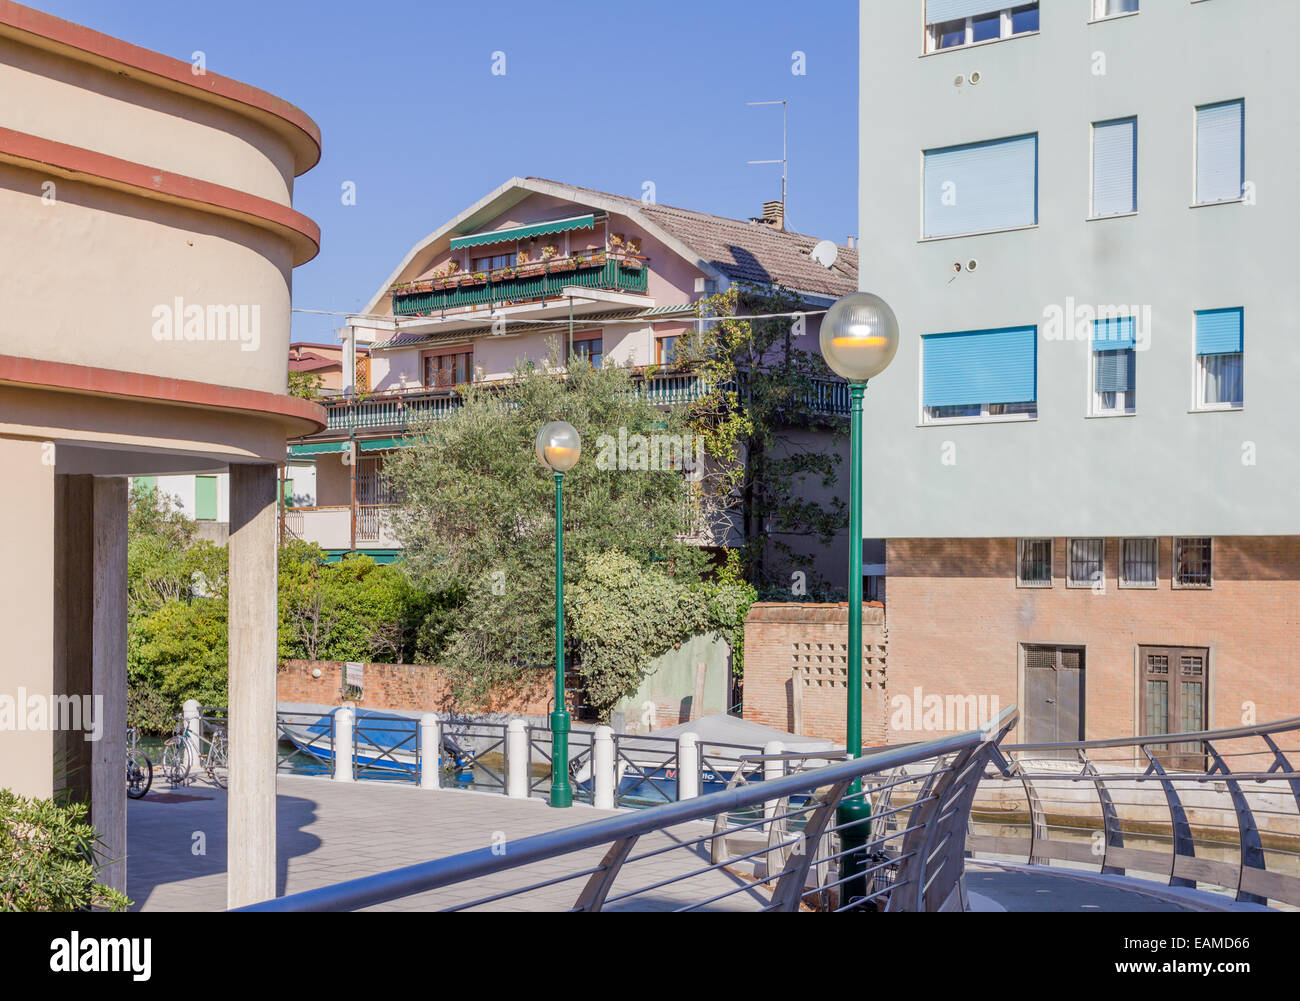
139 769
178 756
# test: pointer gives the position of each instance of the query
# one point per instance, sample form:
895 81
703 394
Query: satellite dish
826 253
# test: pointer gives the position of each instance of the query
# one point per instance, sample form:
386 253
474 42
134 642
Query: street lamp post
859 338
558 448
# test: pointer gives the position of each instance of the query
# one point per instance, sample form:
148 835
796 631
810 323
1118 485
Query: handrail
1168 806
922 844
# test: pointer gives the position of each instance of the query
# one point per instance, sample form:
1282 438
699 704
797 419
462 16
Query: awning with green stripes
379 444
524 232
318 448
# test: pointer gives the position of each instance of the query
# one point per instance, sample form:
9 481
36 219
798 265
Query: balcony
522 283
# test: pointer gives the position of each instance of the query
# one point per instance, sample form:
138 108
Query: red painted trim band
26 149
156 389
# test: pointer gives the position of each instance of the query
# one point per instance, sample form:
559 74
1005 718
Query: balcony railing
827 398
522 283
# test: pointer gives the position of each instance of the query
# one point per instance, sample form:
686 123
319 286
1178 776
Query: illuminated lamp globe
559 446
859 336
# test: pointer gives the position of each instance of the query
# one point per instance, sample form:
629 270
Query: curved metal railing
908 854
1216 809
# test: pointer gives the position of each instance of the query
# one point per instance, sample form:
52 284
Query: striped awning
318 448
381 444
525 232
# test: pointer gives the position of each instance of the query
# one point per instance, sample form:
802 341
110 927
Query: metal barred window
1034 563
1137 562
1087 562
1192 562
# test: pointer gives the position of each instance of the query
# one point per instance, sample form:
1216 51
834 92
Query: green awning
318 448
524 232
379 444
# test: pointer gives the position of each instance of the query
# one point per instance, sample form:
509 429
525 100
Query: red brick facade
959 623
796 667
404 687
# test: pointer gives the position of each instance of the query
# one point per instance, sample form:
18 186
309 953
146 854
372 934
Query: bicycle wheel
176 760
217 765
139 774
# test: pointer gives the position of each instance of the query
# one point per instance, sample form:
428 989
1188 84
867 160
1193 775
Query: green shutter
149 483
205 498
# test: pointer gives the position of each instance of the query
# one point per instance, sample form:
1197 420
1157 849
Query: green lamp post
859 338
558 448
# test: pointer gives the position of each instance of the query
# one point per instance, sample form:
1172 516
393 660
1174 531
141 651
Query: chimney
852 244
774 215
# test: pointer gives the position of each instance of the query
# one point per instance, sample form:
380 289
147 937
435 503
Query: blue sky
601 93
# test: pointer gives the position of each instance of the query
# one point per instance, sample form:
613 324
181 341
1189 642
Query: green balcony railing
507 285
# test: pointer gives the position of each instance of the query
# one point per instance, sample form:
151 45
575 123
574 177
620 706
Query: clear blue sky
602 93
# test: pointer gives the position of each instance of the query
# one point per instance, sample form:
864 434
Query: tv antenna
784 161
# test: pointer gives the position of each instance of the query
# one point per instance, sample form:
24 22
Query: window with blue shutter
1114 356
980 373
1220 152
981 187
1114 167
1220 347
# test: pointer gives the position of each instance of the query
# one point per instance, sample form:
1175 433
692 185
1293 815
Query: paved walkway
330 832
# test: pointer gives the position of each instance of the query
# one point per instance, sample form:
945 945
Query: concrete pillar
192 713
430 752
344 722
602 766
772 770
688 766
517 772
250 811
109 681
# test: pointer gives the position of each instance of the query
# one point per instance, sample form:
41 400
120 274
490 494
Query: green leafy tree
755 419
305 385
476 513
47 857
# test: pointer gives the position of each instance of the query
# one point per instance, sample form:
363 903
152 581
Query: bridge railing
906 856
1216 810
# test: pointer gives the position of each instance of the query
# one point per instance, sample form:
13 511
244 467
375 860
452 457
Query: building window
1138 562
590 348
205 498
980 374
1220 152
666 349
1034 563
1193 558
1220 343
1114 168
1174 687
1114 366
954 23
443 371
1110 8
981 187
492 263
1087 562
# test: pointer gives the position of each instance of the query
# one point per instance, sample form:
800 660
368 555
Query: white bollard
517 773
343 721
430 752
602 763
193 731
688 766
772 770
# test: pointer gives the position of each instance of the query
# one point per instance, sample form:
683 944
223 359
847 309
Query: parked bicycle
178 755
139 769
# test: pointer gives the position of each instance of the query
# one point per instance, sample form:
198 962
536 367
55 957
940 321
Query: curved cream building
146 271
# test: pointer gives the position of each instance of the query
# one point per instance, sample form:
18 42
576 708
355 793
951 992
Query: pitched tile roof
747 251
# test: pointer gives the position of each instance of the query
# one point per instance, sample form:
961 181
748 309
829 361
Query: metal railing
912 859
1216 809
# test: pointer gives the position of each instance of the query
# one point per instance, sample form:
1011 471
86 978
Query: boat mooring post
517 773
343 724
602 768
430 752
688 766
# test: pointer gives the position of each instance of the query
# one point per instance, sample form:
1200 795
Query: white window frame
1173 564
932 33
983 417
1069 562
1096 407
1151 585
1051 564
1099 11
1201 384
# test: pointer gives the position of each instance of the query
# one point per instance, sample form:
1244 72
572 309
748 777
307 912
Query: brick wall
405 687
796 669
957 623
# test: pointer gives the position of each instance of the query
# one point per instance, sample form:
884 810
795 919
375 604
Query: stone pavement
330 832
